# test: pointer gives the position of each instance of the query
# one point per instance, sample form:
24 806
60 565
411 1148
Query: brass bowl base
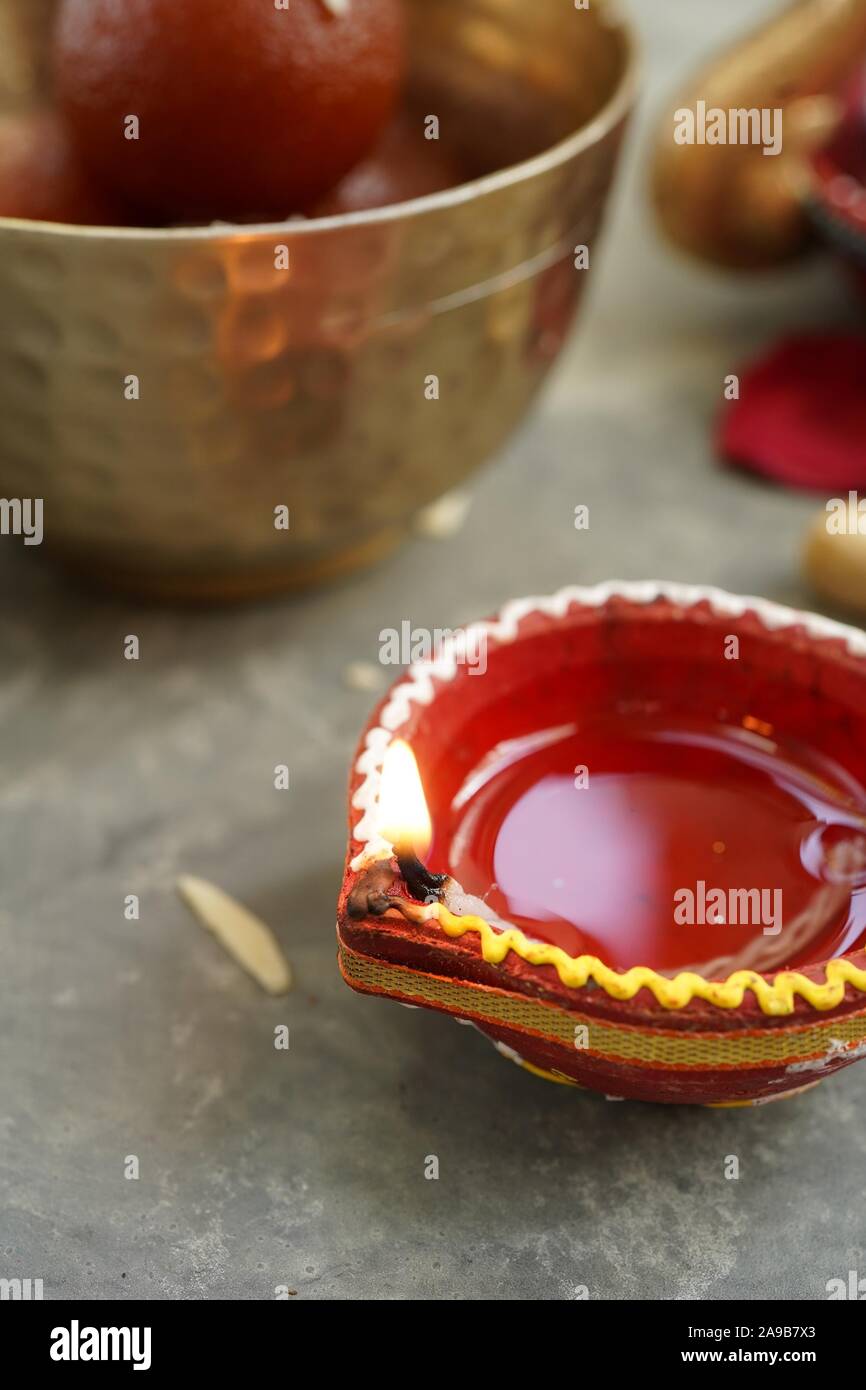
232 586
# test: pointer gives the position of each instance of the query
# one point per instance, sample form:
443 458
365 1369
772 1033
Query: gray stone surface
305 1168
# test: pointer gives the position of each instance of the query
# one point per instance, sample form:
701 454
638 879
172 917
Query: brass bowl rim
592 132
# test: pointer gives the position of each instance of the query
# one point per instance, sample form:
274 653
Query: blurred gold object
731 204
835 562
25 26
262 387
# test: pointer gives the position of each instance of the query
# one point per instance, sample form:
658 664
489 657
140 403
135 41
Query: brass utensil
263 387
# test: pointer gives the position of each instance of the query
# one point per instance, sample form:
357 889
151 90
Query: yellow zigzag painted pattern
774 996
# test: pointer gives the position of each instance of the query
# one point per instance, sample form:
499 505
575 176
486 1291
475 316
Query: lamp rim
775 992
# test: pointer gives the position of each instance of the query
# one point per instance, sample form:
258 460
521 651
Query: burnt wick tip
374 893
424 886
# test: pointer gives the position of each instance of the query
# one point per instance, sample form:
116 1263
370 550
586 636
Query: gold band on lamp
651 1047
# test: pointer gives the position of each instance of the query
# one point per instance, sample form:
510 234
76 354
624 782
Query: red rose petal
801 415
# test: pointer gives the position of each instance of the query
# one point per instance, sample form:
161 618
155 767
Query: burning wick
405 821
422 883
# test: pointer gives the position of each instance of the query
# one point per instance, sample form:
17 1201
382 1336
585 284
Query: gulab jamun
41 176
402 166
215 109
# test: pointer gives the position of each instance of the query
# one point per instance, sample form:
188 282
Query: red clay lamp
635 854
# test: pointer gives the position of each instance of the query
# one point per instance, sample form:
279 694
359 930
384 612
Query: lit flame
403 818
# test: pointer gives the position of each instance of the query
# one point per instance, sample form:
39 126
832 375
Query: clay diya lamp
622 830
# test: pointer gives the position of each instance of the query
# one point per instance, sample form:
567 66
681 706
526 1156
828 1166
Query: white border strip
418 688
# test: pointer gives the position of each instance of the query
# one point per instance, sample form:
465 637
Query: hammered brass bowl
263 387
